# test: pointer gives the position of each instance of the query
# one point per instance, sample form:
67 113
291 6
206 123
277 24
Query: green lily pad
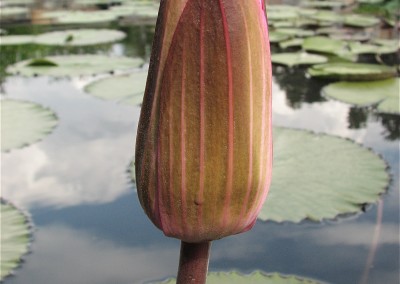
23 123
327 16
42 62
128 89
368 48
318 176
275 37
384 94
323 4
13 12
370 1
15 238
297 58
76 65
361 21
80 37
352 71
16 39
80 17
281 14
325 45
256 277
295 32
291 43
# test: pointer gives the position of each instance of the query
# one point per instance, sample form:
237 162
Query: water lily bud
204 142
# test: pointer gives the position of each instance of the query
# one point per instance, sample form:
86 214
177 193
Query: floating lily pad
13 12
80 17
16 39
291 43
361 21
325 45
317 176
80 37
281 13
256 277
297 58
295 32
368 48
327 16
15 238
23 123
323 4
384 94
127 88
352 71
76 65
275 37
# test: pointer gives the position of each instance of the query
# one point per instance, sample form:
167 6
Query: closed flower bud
204 142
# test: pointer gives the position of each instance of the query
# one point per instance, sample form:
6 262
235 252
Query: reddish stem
193 263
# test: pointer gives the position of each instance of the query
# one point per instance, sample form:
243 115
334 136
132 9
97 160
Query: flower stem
193 263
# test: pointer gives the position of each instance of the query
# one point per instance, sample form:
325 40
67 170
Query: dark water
90 228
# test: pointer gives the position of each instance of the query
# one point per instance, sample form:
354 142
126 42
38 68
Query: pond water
89 226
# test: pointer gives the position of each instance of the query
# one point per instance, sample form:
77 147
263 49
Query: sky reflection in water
90 227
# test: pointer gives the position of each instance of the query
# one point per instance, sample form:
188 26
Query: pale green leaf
352 71
318 176
257 277
23 123
297 58
128 88
76 65
80 37
14 238
383 93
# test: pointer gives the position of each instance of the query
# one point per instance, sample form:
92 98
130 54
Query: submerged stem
193 263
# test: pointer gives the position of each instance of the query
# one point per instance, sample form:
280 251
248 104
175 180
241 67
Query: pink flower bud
204 143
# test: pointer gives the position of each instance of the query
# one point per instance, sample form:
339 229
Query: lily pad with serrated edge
76 65
23 123
234 277
318 176
352 71
297 58
80 37
15 238
128 88
384 94
16 39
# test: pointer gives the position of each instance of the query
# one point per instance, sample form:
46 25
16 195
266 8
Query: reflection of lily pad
319 177
16 39
384 93
15 238
352 71
253 278
76 65
23 123
127 88
298 58
80 37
